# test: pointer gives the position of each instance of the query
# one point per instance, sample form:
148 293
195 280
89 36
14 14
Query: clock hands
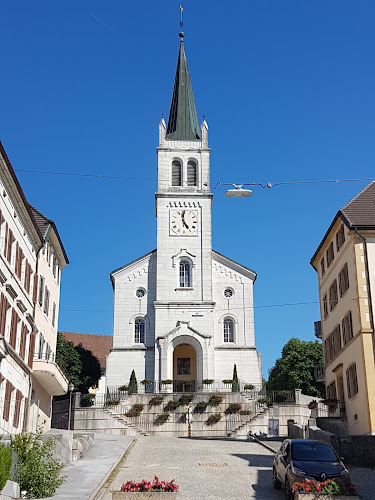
183 219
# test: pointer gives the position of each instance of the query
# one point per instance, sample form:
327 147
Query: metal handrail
120 410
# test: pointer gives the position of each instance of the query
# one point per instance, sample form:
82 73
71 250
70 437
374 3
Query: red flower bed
328 487
145 485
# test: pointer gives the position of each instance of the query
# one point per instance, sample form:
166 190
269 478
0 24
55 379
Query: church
183 312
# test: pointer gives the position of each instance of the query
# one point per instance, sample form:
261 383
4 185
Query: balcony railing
334 409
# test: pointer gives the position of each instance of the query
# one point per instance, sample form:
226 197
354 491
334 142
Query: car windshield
319 452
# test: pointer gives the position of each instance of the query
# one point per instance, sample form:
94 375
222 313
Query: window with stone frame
325 305
139 331
340 237
228 326
344 280
333 295
331 391
191 173
176 173
41 290
330 254
185 274
351 380
322 267
336 333
347 328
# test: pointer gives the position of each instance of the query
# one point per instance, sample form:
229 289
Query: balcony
48 373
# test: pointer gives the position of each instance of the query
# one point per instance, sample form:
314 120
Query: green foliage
185 399
156 400
91 372
68 360
147 381
5 464
244 412
78 364
168 381
135 410
112 402
37 470
172 405
213 419
201 407
208 381
295 368
228 381
215 400
235 384
123 388
133 385
87 400
162 418
233 408
249 387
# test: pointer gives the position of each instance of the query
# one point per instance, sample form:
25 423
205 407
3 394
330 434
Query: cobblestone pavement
206 469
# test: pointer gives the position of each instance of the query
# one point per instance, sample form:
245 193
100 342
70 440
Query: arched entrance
184 367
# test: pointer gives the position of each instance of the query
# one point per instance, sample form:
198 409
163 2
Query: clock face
184 222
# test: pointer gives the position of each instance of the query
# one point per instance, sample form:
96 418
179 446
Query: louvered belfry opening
176 173
191 173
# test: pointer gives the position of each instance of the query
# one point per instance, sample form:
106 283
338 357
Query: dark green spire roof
183 122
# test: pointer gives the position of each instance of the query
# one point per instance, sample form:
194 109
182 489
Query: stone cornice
184 305
234 348
234 266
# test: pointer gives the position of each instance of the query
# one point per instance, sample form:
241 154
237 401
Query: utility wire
268 185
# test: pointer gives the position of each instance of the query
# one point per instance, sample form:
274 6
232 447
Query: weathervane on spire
181 20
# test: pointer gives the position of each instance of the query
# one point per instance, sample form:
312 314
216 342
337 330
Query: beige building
31 260
345 263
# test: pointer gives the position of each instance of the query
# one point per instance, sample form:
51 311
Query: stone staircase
140 425
238 421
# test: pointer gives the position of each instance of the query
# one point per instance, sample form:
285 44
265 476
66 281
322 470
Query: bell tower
183 199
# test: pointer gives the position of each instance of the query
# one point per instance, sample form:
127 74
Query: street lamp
238 192
70 389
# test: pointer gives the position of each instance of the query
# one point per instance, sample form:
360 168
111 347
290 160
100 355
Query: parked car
300 459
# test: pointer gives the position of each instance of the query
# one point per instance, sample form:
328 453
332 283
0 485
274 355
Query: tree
68 360
235 385
295 368
133 385
78 364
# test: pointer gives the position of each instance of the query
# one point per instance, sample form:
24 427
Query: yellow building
345 263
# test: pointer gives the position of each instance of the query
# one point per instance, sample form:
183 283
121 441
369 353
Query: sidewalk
85 476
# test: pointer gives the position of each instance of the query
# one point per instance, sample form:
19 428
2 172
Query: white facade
183 311
26 384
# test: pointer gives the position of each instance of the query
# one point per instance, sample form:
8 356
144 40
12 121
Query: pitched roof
44 224
360 211
99 345
183 124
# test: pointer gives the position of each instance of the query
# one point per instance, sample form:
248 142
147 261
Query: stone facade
183 311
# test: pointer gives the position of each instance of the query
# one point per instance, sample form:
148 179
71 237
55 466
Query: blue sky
287 89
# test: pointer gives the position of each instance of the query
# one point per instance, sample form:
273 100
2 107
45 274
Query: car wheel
275 482
289 495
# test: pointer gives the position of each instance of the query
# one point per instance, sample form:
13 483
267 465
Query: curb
98 493
270 448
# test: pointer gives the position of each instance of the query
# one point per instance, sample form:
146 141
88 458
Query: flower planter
142 495
315 496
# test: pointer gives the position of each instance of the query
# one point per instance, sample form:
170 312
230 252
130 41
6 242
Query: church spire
183 122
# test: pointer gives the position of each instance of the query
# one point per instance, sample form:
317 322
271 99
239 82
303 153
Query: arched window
228 330
176 173
139 331
191 173
185 275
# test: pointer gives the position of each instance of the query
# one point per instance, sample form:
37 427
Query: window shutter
3 313
35 288
23 340
16 419
31 349
6 240
13 329
9 249
27 276
8 394
25 413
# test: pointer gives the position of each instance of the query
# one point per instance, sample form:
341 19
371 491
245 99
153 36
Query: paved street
209 469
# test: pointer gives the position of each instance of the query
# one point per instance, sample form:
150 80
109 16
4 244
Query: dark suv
300 459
